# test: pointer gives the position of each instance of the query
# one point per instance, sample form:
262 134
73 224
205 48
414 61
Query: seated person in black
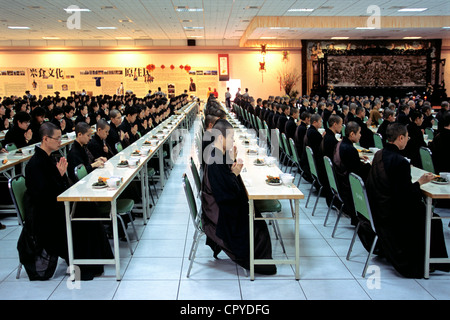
388 118
68 115
300 132
129 127
313 139
115 134
346 159
4 121
80 154
37 119
412 149
210 120
98 146
366 140
58 119
440 146
291 124
45 180
82 115
403 114
20 134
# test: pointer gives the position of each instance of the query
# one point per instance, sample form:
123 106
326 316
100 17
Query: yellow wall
244 64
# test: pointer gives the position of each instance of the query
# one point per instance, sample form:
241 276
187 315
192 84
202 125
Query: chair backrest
360 199
378 141
17 189
119 146
427 159
330 174
286 148
280 144
311 162
343 130
191 202
294 151
196 175
80 171
11 147
430 133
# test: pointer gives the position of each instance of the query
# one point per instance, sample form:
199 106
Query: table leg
429 215
142 176
161 166
147 194
116 238
69 235
297 241
252 240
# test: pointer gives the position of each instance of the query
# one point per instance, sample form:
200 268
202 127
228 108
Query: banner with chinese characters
197 81
224 67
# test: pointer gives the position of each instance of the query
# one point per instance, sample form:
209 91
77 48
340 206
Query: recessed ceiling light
193 28
18 28
411 38
76 10
279 28
267 37
365 28
124 38
445 27
106 28
339 38
50 38
125 20
195 36
301 10
187 9
412 9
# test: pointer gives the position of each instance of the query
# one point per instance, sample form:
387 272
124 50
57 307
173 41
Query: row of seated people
47 175
346 159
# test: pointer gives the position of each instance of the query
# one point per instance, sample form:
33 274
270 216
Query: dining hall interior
110 110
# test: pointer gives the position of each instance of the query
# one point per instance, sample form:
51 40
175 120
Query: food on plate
259 161
439 179
123 163
4 161
272 179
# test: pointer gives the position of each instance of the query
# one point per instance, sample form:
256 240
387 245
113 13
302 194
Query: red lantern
187 68
163 66
172 67
181 67
150 67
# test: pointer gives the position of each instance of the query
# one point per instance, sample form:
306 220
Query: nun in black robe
225 212
399 215
44 184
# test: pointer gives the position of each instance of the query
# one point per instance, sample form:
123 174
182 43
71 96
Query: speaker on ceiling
191 42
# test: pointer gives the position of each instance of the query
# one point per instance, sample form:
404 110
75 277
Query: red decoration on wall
163 66
172 67
181 67
187 68
150 67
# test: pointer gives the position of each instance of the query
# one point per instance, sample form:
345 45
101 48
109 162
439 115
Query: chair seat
268 205
122 205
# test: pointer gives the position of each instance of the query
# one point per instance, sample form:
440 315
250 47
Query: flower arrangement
288 80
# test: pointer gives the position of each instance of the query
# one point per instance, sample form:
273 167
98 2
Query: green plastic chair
362 207
312 167
269 207
287 151
427 159
378 140
343 130
296 160
334 189
123 207
17 189
430 133
119 147
196 220
196 176
11 147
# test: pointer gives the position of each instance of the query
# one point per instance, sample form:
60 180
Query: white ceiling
219 20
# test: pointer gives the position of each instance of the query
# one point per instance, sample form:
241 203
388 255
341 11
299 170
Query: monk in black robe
225 206
45 180
398 211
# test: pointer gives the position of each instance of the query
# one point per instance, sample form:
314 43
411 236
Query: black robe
225 215
290 128
47 216
398 214
16 135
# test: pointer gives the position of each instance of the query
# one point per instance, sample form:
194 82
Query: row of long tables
83 190
254 179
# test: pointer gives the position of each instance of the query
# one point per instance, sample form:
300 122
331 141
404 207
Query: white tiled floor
157 270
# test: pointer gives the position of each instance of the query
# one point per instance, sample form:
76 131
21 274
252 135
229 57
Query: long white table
254 178
431 191
83 191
